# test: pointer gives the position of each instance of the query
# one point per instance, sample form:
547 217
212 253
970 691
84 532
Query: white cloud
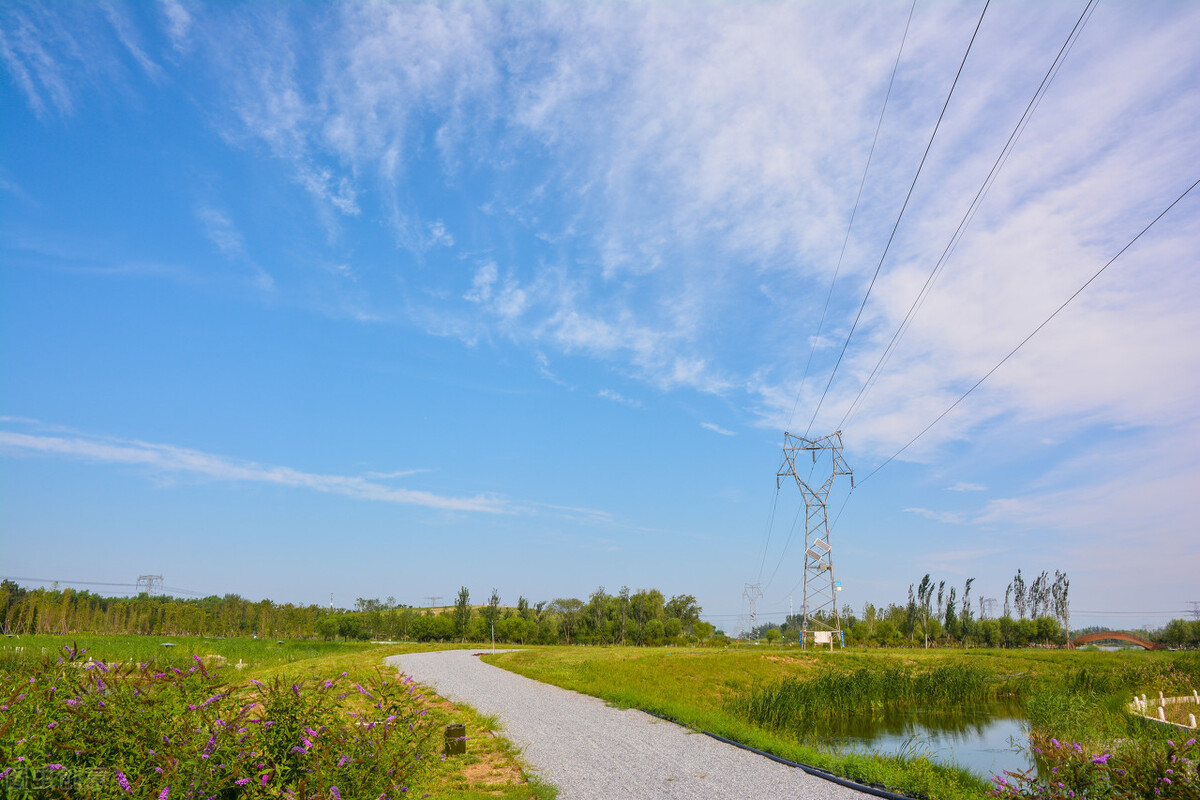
400 473
710 426
169 459
937 516
964 486
221 232
225 236
608 394
178 22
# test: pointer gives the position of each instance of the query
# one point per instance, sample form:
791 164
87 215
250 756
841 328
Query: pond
985 739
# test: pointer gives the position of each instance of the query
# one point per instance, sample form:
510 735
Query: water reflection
986 739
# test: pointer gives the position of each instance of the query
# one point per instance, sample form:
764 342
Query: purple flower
1102 759
242 781
334 793
165 793
1055 743
52 725
121 779
54 766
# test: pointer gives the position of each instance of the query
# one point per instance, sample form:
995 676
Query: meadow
122 716
781 699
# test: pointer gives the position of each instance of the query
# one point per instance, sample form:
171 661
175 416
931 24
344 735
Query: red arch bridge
1102 636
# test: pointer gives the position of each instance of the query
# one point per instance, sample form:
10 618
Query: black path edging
866 788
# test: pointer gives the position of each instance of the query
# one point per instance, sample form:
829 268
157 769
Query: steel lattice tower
820 589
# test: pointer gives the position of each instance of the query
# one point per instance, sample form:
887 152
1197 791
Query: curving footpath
592 751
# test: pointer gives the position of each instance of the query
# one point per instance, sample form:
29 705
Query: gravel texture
592 751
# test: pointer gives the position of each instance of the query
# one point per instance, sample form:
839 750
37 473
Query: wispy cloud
169 459
711 426
937 516
609 394
178 23
221 231
963 486
400 473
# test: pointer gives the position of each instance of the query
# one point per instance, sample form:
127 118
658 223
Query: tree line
642 617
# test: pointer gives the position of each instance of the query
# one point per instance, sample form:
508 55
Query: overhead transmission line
1045 322
1001 159
837 269
172 589
853 213
969 215
899 216
887 247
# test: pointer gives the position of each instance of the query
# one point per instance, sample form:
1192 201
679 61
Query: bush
1143 770
93 730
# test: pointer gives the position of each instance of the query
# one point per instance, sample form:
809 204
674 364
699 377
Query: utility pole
820 589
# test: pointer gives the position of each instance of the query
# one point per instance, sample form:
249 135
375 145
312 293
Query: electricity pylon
820 589
151 582
752 592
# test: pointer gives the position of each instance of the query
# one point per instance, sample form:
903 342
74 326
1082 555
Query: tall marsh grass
801 704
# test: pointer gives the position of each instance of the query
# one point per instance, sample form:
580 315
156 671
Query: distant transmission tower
820 589
433 599
752 592
150 582
1195 604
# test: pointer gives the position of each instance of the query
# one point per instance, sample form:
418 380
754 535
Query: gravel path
592 751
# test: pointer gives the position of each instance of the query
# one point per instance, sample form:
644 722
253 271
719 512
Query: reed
801 704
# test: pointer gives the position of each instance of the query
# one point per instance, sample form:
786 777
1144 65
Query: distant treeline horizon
643 617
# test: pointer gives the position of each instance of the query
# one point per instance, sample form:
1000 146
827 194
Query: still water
985 739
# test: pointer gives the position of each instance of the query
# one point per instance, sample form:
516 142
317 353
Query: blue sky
385 299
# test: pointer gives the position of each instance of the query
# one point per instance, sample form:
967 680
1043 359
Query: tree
910 613
951 616
964 622
623 612
1062 606
491 612
568 609
684 608
598 612
462 614
925 598
1018 587
773 635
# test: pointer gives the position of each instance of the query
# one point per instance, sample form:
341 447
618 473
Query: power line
770 527
1031 335
969 215
173 590
853 213
900 216
73 583
837 269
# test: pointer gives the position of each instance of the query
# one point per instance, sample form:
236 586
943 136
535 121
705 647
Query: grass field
743 694
490 769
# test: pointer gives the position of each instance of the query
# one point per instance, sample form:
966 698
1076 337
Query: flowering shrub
1133 772
92 730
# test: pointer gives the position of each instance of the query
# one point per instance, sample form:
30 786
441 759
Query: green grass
18 650
764 696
